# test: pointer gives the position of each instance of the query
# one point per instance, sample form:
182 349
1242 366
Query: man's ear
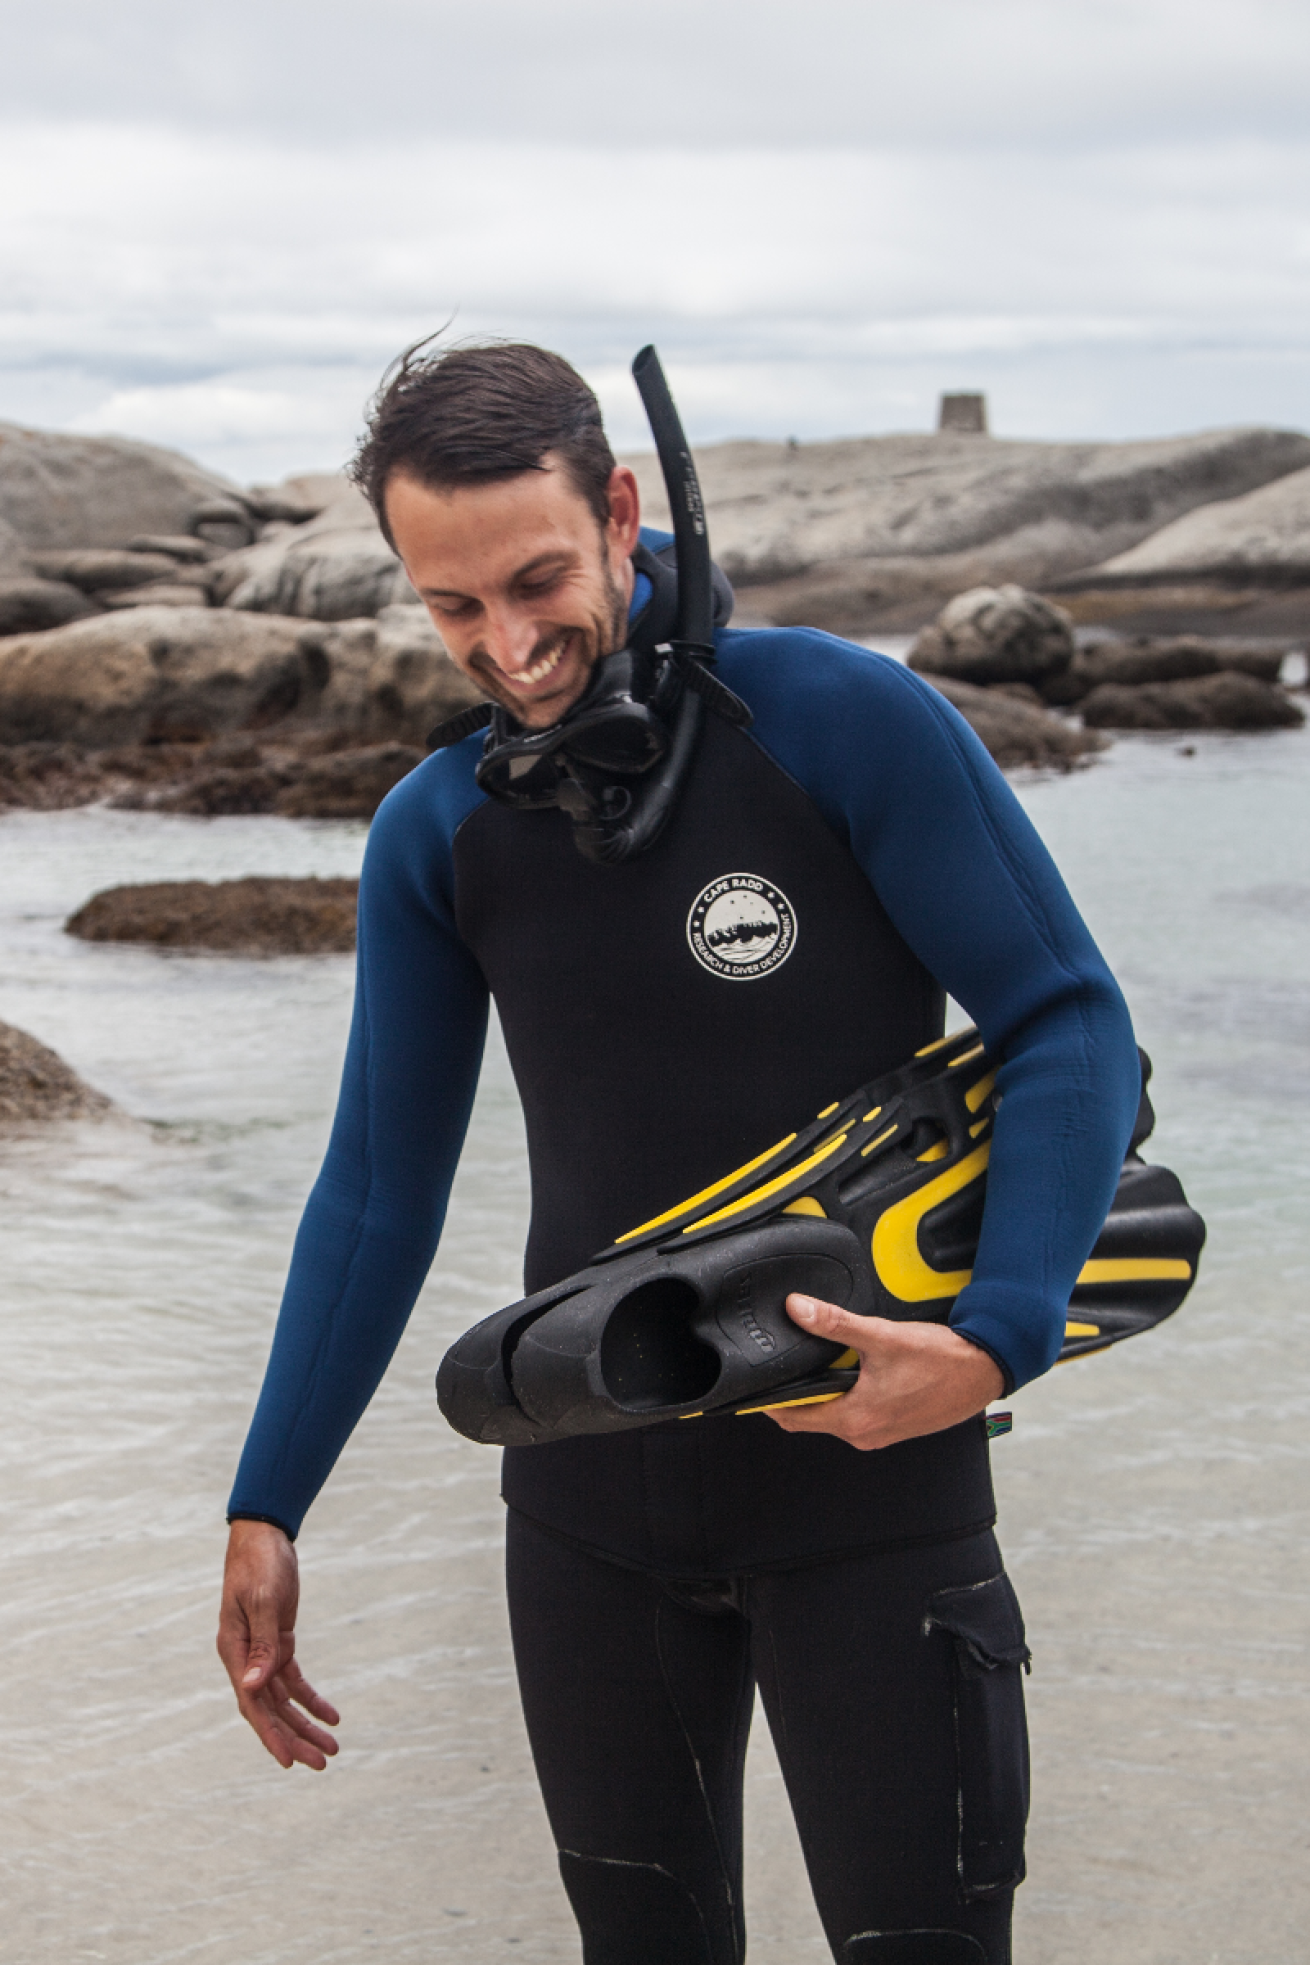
625 511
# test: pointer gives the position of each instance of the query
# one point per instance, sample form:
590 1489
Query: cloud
698 72
219 228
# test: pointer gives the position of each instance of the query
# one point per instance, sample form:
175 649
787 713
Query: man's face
525 588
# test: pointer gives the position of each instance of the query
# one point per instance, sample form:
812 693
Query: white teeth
540 670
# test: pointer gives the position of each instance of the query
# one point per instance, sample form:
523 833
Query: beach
1152 1501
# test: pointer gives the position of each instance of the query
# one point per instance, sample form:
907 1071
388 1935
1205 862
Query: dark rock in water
1015 732
1158 658
225 793
36 1084
28 605
1227 701
236 917
350 785
996 634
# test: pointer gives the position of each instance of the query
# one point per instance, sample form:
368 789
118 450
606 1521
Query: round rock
996 634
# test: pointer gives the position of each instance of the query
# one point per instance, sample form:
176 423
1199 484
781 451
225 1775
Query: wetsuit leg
638 1705
893 1688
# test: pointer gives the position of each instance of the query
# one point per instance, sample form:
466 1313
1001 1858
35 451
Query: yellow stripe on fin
708 1193
828 1110
770 1187
975 1095
806 1205
1081 1330
781 1405
966 1057
1135 1269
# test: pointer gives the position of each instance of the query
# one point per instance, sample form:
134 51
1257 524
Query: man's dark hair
476 415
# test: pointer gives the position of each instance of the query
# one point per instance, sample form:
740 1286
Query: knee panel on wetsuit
913 1948
637 1914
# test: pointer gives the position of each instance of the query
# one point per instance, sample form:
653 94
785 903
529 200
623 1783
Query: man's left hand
914 1378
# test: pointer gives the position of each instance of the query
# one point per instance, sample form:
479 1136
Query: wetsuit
886 861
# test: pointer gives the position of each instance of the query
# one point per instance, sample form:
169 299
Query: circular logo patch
740 927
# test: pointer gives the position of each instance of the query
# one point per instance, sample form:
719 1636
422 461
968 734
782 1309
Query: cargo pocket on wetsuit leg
991 1729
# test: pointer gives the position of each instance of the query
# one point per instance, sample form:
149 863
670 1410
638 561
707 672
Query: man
840 1557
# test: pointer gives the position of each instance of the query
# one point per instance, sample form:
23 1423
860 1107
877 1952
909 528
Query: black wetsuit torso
644 1076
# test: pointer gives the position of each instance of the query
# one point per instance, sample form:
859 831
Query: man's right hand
257 1643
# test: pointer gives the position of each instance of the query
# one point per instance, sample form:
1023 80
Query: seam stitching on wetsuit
724 1877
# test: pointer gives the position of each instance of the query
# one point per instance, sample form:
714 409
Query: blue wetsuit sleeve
372 1222
967 881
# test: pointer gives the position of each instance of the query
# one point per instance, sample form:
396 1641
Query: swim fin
876 1206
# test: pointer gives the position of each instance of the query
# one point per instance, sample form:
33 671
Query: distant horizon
647 450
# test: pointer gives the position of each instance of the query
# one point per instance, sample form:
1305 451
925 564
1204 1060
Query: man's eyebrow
558 556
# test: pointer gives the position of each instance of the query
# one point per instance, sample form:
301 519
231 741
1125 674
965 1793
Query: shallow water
1152 1501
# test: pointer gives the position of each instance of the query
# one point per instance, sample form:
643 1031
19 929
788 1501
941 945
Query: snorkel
617 760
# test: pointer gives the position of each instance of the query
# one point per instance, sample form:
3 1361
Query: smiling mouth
542 668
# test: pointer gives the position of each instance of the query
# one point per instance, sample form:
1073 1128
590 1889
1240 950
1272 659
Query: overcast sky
217 228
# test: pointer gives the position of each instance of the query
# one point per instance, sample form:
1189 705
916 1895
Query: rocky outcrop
29 604
36 1084
234 917
106 569
336 567
160 674
869 531
1259 539
1016 728
150 673
58 491
996 634
1226 701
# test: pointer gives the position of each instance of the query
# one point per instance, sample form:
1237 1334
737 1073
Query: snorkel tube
617 760
695 635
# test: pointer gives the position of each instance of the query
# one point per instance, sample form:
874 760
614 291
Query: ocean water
1153 1501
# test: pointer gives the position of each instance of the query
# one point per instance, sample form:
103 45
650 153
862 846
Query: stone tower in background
965 414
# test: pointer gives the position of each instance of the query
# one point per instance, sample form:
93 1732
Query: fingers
915 1378
287 1733
828 1320
299 1688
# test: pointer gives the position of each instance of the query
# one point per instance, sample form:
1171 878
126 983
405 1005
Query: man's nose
511 638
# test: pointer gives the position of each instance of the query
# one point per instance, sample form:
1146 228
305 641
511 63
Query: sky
218 226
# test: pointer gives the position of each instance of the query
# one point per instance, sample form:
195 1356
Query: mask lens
517 778
625 738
